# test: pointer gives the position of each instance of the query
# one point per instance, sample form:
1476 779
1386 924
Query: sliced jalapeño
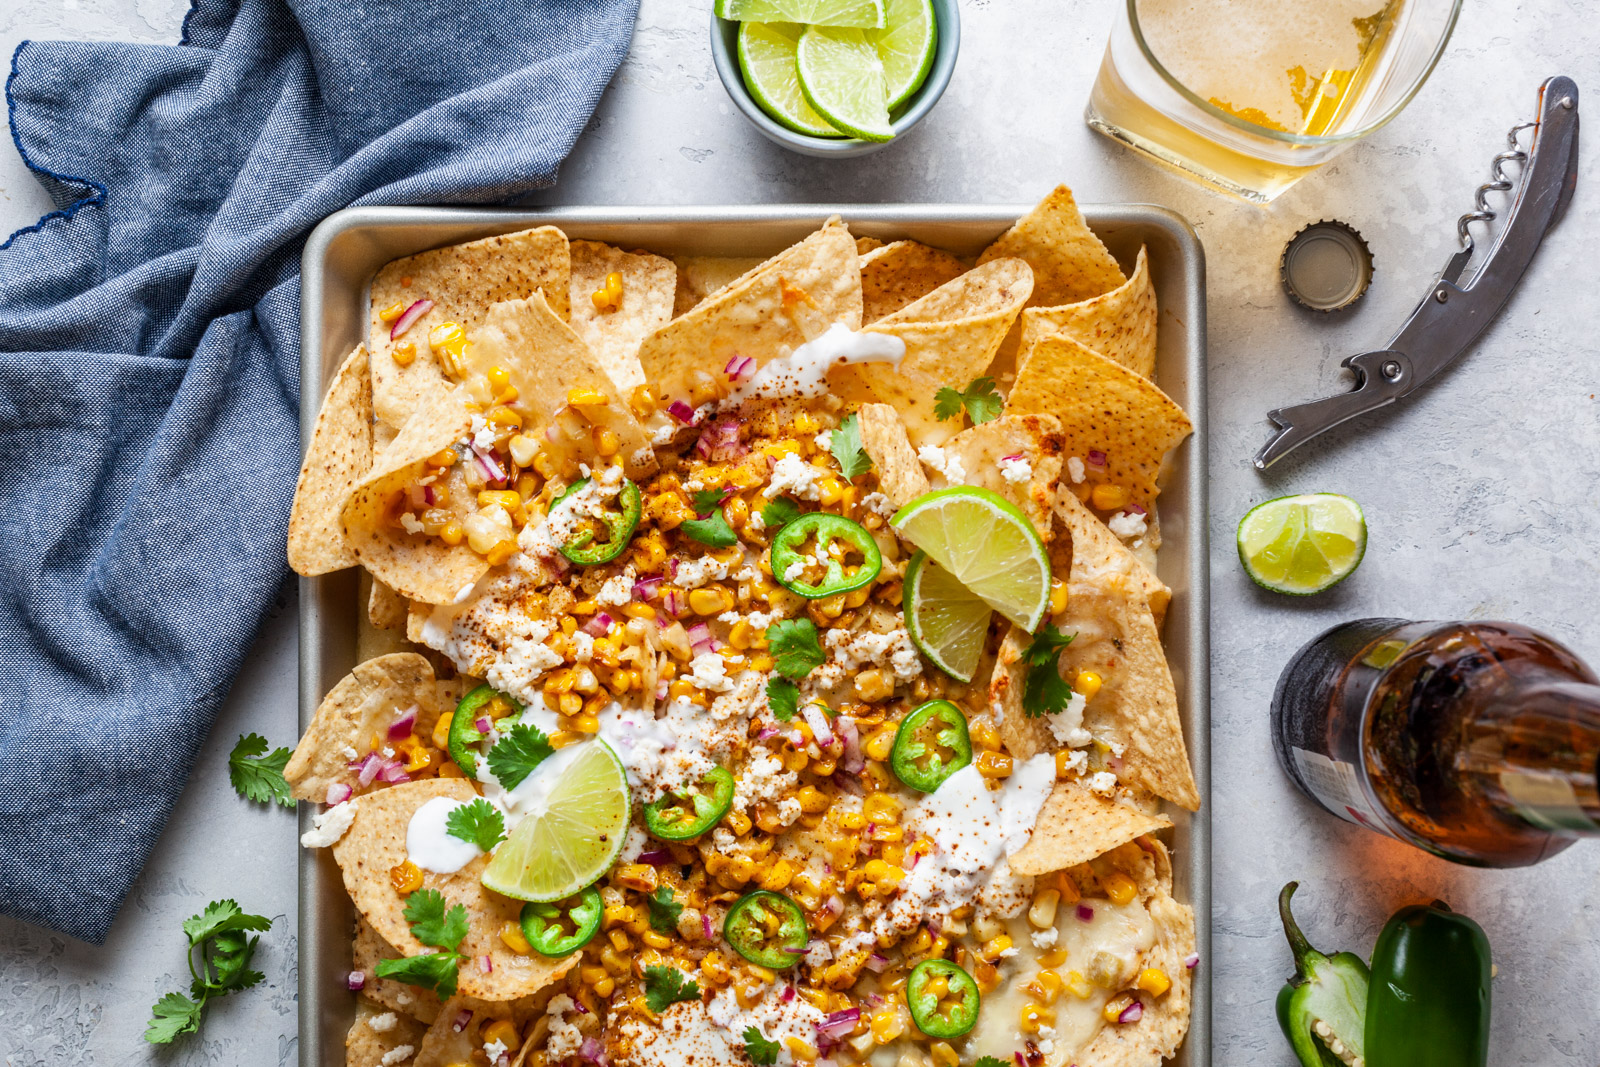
826 530
943 998
768 929
562 928
484 702
684 815
930 746
585 547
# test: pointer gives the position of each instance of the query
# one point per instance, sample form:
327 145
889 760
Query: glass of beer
1249 96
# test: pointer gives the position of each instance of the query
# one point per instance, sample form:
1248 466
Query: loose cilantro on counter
664 911
762 1053
478 822
433 925
795 648
519 750
783 697
981 401
666 986
220 948
845 444
1043 690
257 774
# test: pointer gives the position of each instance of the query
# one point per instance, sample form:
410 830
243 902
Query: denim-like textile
149 362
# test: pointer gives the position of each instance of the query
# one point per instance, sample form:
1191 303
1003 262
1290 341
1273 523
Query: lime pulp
987 544
842 77
767 61
947 622
1305 544
862 14
906 45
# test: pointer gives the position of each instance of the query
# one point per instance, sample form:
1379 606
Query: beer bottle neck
1536 755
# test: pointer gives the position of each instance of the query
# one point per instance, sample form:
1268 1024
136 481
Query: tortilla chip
950 335
366 1047
1024 736
867 244
613 334
1036 438
1069 262
779 306
896 274
462 281
1102 406
386 609
1075 826
700 276
545 360
340 454
363 703
414 1001
416 567
1120 325
1103 554
444 1045
883 435
376 842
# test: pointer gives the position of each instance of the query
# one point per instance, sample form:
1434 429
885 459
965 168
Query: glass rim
1284 136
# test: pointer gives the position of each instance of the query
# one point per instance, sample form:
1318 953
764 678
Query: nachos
779 675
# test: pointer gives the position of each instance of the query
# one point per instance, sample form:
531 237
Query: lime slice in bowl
862 14
1303 544
842 79
767 61
906 45
947 622
987 544
576 823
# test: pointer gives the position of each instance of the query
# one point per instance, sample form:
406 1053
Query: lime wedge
577 803
1302 544
987 544
859 13
767 60
906 45
842 79
947 623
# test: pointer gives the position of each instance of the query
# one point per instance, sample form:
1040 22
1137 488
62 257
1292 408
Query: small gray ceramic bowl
725 50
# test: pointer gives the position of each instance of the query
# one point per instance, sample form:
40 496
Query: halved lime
1302 544
906 44
947 622
767 61
576 823
842 79
987 544
859 13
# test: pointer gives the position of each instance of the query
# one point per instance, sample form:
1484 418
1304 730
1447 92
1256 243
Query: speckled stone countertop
1482 494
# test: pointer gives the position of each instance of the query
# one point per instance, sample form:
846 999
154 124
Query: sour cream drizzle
804 372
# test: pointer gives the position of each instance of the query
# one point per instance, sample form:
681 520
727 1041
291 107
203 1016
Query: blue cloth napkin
149 362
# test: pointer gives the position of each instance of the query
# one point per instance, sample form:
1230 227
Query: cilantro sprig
478 822
783 697
762 1053
220 950
980 400
795 648
441 928
664 911
780 512
1044 692
845 444
711 528
666 986
257 774
519 750
990 1061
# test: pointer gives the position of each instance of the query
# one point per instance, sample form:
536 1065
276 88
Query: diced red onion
1013 456
394 772
791 950
1114 764
367 770
598 626
700 639
833 905
485 964
1135 509
338 793
818 721
766 732
682 412
486 462
483 724
876 963
852 760
1191 961
463 1020
661 690
788 994
593 1051
427 495
672 567
1096 458
719 441
656 857
1020 1062
837 1024
739 367
674 601
827 1063
408 318
1085 913
648 588
503 1060
705 926
400 729
1132 1013
581 1010
355 980
416 497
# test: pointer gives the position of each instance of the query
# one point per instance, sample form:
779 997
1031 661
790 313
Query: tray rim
316 593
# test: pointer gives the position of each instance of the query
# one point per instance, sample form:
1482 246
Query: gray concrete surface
1481 494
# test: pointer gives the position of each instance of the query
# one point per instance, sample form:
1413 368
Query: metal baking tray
348 248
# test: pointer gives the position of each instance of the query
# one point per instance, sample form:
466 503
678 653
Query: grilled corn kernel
944 1055
996 947
405 877
800 1050
1116 1006
642 401
506 498
994 765
445 457
1046 986
640 876
1078 985
1108 497
582 397
878 745
1058 596
501 552
986 975
850 820
812 799
738 822
500 415
606 442
404 355
1154 981
887 1024
393 311
1043 912
777 876
619 941
450 770
511 933
1034 1016
441 730
829 491
616 915
1119 887
523 449
710 600
1064 763
881 808
656 940
984 735
1087 684
874 685
504 1031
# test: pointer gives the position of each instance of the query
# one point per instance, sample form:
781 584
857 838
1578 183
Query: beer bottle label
1336 785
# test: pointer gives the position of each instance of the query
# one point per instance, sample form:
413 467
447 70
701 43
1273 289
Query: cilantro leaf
666 986
980 400
221 915
779 513
845 444
432 924
713 531
783 697
227 957
762 1053
990 1061
519 750
257 774
172 1015
708 500
664 911
1043 690
431 970
795 647
479 822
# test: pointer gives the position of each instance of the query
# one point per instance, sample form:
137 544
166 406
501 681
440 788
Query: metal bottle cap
1326 266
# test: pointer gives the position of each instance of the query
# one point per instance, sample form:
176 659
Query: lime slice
842 79
947 623
987 544
1302 544
767 61
858 13
577 804
906 45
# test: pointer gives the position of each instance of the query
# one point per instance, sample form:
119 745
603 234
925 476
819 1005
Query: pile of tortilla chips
1046 314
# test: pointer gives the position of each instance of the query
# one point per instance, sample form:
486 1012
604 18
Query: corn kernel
1078 985
777 876
656 940
1064 763
1046 986
511 933
812 799
986 975
500 415
1068 886
994 765
450 770
504 1031
996 947
881 808
606 442
441 730
393 311
710 600
800 1050
619 941
1119 887
1058 596
887 1024
878 745
406 878
944 1055
1087 684
404 355
829 491
851 820
506 498
501 552
581 397
1042 914
1034 1016
1116 1006
1108 497
640 876
984 734
1154 981
874 684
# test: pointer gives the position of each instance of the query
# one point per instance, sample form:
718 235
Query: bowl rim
724 37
